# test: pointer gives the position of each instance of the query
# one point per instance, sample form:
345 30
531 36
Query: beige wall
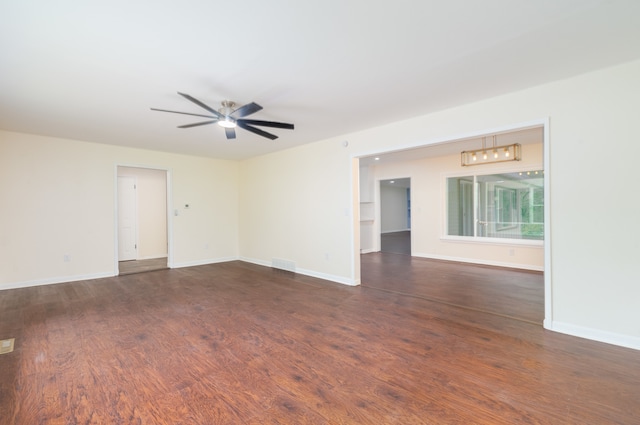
58 200
294 202
296 205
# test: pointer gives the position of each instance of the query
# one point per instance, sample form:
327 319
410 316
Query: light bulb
484 155
474 157
506 152
495 153
227 123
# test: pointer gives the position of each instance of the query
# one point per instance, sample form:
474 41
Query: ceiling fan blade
256 130
248 109
268 124
183 113
197 124
200 104
230 132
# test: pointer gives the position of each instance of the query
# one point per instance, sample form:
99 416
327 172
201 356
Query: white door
127 217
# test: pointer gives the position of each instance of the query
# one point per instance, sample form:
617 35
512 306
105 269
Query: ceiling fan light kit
226 111
230 118
227 122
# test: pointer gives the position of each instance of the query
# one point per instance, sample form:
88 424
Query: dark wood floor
396 242
236 343
517 294
141 266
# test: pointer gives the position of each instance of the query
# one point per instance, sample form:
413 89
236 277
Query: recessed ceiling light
377 159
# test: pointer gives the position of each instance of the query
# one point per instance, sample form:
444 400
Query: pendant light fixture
492 155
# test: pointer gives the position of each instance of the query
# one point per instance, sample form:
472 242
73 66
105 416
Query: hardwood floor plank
512 293
141 266
236 343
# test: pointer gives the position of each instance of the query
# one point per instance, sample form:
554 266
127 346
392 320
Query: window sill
493 241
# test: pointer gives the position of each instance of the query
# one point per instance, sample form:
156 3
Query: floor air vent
280 264
6 345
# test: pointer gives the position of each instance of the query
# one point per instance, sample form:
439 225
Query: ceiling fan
229 118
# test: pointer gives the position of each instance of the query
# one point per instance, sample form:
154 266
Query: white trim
595 334
355 203
116 253
203 262
377 215
330 277
306 272
483 262
511 168
169 196
548 292
455 137
55 280
170 251
481 240
255 261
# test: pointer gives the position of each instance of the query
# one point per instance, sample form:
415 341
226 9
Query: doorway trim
542 122
378 217
168 212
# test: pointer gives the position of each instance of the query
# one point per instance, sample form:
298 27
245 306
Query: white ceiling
91 70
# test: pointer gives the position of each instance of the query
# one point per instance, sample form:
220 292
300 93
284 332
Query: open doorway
395 216
506 276
142 233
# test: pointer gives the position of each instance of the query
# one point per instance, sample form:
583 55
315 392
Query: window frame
500 223
486 240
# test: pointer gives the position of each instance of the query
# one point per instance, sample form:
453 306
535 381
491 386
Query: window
507 205
505 208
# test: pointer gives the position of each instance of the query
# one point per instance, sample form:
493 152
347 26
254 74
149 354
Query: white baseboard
255 261
202 262
332 278
311 273
482 262
55 280
595 334
367 251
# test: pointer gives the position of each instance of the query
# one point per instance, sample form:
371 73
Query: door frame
378 211
548 266
168 212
